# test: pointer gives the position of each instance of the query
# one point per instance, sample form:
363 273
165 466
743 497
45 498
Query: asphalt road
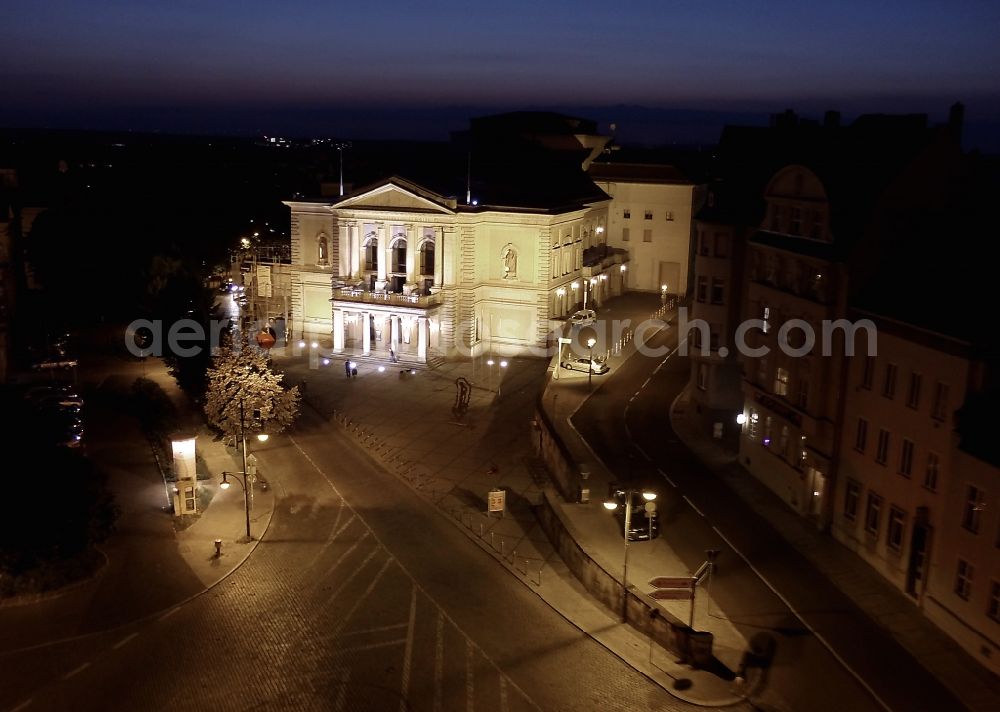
699 512
359 597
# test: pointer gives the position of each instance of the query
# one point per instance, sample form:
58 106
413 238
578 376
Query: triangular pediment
397 195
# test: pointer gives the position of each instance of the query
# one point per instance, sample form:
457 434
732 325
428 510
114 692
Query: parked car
643 524
62 428
43 397
596 367
583 317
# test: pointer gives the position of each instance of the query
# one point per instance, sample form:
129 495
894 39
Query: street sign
496 500
670 582
672 594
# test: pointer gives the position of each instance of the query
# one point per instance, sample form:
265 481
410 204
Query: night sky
267 66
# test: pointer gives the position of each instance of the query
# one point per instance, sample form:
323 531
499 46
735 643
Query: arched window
371 253
321 250
398 249
427 257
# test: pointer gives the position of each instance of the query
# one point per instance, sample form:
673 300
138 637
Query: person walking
347 368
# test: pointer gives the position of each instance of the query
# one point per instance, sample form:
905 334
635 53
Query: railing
410 300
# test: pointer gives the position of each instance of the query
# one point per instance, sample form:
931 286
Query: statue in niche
509 262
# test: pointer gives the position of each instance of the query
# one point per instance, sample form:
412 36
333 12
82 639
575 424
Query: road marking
76 671
439 661
644 453
379 629
470 692
362 598
691 504
666 477
22 705
345 554
812 630
645 383
404 689
169 613
357 570
373 646
124 640
329 542
503 693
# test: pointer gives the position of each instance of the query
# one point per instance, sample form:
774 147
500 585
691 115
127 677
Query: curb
28 599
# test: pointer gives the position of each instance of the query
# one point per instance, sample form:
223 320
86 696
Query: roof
638 173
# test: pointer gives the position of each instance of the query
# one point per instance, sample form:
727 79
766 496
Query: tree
241 377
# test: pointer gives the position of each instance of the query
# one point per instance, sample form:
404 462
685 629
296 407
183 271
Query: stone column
355 239
338 330
411 259
366 332
438 257
394 332
343 251
383 256
422 338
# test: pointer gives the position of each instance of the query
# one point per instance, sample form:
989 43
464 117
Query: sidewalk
885 605
406 422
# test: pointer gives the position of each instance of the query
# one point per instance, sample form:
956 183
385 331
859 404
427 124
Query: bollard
218 548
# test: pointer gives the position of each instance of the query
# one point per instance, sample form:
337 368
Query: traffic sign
673 594
496 500
670 582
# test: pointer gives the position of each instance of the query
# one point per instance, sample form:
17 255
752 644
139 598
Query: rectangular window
852 495
703 376
721 244
702 293
993 606
940 408
768 424
753 424
873 513
913 392
762 370
713 336
648 215
897 524
626 213
861 435
766 316
975 499
931 474
718 291
795 221
647 235
625 234
882 450
781 381
868 372
889 385
670 216
906 458
802 396
963 579
703 243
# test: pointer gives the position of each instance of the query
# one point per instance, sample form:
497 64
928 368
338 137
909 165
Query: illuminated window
753 425
626 213
648 215
781 381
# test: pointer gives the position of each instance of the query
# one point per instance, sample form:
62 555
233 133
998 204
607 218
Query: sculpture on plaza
509 256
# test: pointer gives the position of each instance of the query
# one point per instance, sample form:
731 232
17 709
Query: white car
584 317
598 368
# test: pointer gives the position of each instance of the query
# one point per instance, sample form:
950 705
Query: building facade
397 271
650 218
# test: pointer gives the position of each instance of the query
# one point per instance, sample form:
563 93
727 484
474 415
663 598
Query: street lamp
663 294
503 365
590 364
246 488
611 505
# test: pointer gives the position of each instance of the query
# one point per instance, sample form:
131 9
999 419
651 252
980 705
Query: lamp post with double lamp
590 364
503 365
244 474
611 505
